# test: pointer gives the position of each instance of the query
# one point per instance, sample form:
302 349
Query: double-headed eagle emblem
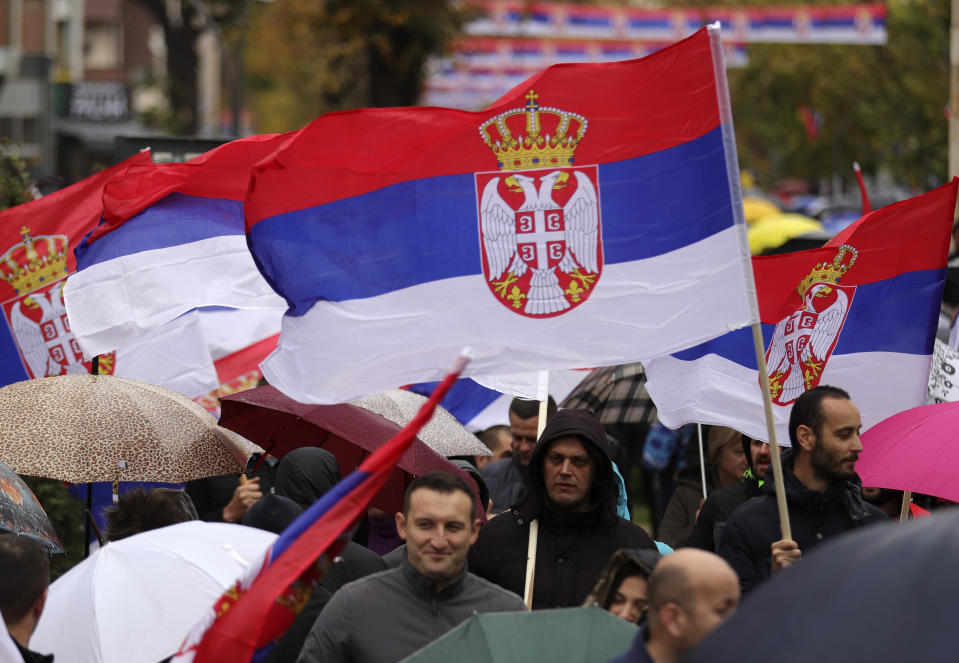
542 246
804 340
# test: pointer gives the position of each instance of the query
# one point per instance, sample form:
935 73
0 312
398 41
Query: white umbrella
8 649
443 434
135 600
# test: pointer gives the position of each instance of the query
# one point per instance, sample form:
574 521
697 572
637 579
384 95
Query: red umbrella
349 432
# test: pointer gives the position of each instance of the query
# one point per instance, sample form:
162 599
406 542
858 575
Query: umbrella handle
266 452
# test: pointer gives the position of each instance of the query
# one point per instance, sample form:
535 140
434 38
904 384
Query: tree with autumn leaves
306 58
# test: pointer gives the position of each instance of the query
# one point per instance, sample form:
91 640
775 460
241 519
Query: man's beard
830 466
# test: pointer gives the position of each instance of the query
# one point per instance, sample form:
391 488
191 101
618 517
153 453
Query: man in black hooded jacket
570 490
822 490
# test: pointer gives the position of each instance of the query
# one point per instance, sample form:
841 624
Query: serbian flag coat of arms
860 313
36 254
591 216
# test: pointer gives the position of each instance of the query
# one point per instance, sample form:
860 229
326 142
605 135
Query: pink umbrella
916 450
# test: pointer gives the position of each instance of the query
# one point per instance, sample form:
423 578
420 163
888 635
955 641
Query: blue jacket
637 652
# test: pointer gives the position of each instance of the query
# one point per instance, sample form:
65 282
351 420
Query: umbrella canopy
883 594
567 634
773 231
82 428
135 600
616 394
914 450
443 434
755 208
280 424
21 513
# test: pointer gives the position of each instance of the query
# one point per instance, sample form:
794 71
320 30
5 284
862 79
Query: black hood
584 425
306 474
272 513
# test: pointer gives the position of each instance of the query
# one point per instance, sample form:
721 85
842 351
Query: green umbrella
567 634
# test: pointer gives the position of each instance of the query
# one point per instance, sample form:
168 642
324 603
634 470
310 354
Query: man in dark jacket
822 490
387 616
570 490
505 477
719 506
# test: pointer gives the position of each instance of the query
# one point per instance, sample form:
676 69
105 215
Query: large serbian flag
591 216
860 313
258 609
172 240
37 241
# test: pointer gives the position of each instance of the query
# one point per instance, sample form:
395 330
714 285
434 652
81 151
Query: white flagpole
543 394
736 195
904 509
702 461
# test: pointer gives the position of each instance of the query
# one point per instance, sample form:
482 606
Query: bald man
691 592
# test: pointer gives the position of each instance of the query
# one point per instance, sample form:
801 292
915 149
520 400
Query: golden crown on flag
34 262
533 136
829 272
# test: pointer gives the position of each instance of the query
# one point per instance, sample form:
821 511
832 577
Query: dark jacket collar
426 588
842 494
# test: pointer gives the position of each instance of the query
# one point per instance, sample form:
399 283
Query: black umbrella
883 594
21 513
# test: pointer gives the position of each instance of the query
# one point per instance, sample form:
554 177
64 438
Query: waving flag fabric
256 611
37 241
589 217
478 406
172 240
860 314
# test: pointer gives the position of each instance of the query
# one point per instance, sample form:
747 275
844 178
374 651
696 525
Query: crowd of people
555 536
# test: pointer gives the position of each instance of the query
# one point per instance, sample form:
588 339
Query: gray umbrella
443 434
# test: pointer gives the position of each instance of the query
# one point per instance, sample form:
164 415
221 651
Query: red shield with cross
541 237
41 329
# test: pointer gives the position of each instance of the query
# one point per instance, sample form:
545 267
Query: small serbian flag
592 216
248 619
860 313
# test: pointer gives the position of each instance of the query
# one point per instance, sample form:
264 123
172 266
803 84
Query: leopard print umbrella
82 428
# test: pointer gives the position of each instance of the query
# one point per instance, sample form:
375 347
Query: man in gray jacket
389 615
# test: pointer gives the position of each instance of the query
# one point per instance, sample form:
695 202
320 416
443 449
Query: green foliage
14 176
308 57
884 106
66 515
